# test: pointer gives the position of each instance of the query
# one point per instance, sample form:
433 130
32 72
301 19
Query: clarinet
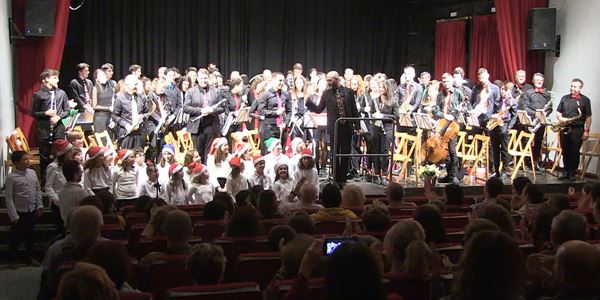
52 107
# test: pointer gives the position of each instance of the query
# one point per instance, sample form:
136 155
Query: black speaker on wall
39 17
541 29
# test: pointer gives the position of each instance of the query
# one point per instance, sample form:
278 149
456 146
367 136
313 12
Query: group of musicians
139 111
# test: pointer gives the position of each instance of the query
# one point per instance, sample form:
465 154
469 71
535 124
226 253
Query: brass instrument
497 119
564 126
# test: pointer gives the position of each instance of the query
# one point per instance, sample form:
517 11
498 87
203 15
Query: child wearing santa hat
166 159
190 157
55 180
243 150
217 161
140 165
201 191
96 171
236 181
124 179
283 185
275 155
298 146
259 177
176 190
306 168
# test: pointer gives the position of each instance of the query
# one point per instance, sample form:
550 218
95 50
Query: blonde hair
352 196
87 281
405 247
361 85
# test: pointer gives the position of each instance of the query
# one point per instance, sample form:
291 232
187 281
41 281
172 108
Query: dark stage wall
367 35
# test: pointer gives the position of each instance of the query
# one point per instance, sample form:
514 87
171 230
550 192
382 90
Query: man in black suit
130 113
339 102
49 106
204 104
81 88
275 105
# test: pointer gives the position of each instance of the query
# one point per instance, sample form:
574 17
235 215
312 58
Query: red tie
237 103
539 90
576 96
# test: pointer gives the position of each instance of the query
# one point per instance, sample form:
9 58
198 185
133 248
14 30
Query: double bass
435 149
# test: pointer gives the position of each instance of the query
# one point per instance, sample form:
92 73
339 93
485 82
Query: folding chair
408 150
248 136
478 152
179 154
103 140
590 149
555 147
16 141
185 139
520 150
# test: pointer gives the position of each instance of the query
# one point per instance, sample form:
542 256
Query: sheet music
524 118
405 121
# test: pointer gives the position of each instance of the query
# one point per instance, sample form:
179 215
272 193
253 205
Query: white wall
7 104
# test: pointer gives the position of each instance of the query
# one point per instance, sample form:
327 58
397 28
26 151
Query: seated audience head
577 267
533 194
352 196
498 215
519 184
177 226
279 235
245 222
241 198
395 193
226 199
405 248
493 188
85 224
476 226
292 252
559 201
108 202
439 205
157 218
302 223
541 231
93 201
430 219
353 272
86 281
376 218
454 194
141 204
568 226
214 211
331 196
308 193
267 204
206 264
491 265
113 257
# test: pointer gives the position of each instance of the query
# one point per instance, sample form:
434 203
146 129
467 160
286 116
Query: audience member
430 219
280 235
331 199
215 211
376 218
157 217
476 226
86 281
352 197
291 256
108 206
307 195
206 264
113 257
267 204
492 189
395 195
518 185
405 248
302 222
245 222
577 271
454 195
559 201
497 214
533 196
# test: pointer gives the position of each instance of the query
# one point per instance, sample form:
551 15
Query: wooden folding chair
16 141
407 151
185 139
553 146
248 136
86 143
103 140
522 149
590 149
478 153
462 147
512 137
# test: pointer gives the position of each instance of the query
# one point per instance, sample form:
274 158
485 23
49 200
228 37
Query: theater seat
135 296
258 267
233 247
227 291
113 232
407 286
167 272
330 226
209 230
315 286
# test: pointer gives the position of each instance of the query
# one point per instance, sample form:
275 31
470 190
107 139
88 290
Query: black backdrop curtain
367 35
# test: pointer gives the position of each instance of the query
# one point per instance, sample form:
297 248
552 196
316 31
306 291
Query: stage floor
549 183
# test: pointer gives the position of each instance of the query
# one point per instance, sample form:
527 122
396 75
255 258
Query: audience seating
267 224
135 218
259 267
209 230
113 232
135 296
330 226
315 288
459 220
407 286
227 291
233 247
167 272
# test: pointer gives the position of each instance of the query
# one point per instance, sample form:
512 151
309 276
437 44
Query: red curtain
450 46
512 32
33 54
485 49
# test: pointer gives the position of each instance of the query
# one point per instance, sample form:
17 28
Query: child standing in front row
201 191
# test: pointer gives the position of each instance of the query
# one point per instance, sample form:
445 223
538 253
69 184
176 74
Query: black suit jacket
193 104
78 91
328 101
41 103
122 110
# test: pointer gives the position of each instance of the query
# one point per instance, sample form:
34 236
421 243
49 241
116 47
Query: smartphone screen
330 244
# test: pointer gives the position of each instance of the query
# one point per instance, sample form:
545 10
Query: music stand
541 116
243 116
524 118
404 120
473 120
423 121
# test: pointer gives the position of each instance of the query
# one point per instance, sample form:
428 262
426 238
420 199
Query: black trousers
452 160
355 161
537 144
134 140
344 145
202 141
58 221
379 145
22 231
499 147
570 143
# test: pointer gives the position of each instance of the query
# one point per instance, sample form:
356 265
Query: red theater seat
167 272
258 267
227 291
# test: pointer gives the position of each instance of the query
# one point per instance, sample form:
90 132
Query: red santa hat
95 151
197 169
216 144
258 159
236 161
61 146
307 153
295 142
122 155
241 148
174 168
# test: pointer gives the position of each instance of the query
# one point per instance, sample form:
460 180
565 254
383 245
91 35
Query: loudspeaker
39 17
541 29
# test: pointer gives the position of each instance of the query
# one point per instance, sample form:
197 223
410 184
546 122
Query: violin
435 149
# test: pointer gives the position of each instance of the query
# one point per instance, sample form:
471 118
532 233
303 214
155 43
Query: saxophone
497 120
564 126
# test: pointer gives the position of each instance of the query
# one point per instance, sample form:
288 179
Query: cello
435 149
